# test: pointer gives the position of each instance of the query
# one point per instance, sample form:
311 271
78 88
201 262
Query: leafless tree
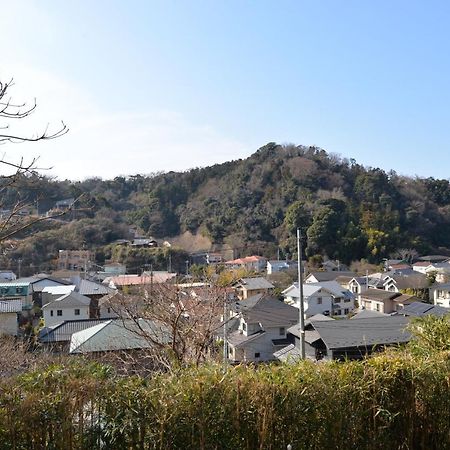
189 317
12 218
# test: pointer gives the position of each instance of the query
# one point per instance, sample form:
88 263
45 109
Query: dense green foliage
392 401
345 210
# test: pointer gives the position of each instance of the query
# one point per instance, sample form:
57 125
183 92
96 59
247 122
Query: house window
319 300
4 290
337 312
59 312
257 355
51 312
337 300
378 307
77 312
346 311
19 290
109 310
282 331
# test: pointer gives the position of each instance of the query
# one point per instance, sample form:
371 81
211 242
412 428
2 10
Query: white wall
68 313
441 297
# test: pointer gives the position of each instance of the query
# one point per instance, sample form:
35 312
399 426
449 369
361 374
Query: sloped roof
271 312
418 309
363 332
288 354
59 290
255 283
366 314
246 260
329 276
87 287
68 300
379 295
239 339
114 335
62 332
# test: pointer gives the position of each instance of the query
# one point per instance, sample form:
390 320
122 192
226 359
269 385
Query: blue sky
168 85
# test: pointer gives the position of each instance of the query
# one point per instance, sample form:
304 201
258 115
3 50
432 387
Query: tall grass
391 401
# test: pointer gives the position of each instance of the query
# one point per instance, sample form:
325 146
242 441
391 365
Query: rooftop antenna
300 287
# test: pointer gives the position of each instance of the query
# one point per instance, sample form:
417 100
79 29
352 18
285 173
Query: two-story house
70 306
262 326
328 298
384 301
440 293
247 287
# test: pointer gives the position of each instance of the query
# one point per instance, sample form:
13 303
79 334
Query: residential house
57 337
247 287
318 277
415 283
144 242
71 306
275 266
327 298
75 260
347 339
146 279
250 263
214 258
419 309
261 330
358 285
119 335
385 301
440 293
334 266
19 289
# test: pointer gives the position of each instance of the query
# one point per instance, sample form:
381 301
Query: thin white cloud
103 144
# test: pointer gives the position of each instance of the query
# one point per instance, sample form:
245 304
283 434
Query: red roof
422 264
246 260
135 280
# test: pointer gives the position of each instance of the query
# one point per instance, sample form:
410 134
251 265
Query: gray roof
64 330
87 287
367 313
338 334
419 309
255 283
271 312
310 335
330 276
239 339
114 335
71 299
289 353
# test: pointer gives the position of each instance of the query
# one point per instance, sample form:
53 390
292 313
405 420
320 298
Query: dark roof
270 312
64 330
417 309
291 353
330 276
338 334
379 295
433 258
417 280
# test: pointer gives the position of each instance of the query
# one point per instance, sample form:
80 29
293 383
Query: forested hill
346 210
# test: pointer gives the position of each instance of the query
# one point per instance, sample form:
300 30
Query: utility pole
300 288
20 266
170 263
225 337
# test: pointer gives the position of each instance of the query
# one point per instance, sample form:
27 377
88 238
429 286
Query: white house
328 298
275 266
441 295
262 329
70 306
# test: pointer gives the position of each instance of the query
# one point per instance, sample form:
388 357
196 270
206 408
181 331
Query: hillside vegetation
347 211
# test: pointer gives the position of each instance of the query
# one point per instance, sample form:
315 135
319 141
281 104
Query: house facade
262 330
327 298
71 306
248 287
